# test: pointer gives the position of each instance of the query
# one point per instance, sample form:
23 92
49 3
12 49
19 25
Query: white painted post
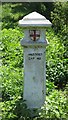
34 43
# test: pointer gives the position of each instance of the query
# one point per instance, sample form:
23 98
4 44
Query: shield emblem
34 34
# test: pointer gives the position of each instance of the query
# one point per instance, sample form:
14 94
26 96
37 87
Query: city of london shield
34 34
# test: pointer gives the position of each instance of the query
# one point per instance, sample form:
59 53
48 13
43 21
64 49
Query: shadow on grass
23 113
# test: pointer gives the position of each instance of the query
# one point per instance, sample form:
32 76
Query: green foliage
59 18
55 61
10 46
56 106
12 83
12 59
15 109
60 15
49 87
10 17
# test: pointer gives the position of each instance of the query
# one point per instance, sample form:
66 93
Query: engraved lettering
31 58
32 54
39 58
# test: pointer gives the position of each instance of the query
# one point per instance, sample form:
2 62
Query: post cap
34 19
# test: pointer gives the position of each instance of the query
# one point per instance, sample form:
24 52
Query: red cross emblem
34 34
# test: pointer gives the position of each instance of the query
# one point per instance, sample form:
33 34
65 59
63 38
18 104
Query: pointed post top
34 16
34 19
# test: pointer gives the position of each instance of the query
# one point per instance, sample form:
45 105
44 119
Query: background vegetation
56 104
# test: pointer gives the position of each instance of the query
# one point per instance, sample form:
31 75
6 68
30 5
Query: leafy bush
11 49
11 14
12 83
60 15
49 87
59 18
15 109
55 62
56 106
12 62
11 71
